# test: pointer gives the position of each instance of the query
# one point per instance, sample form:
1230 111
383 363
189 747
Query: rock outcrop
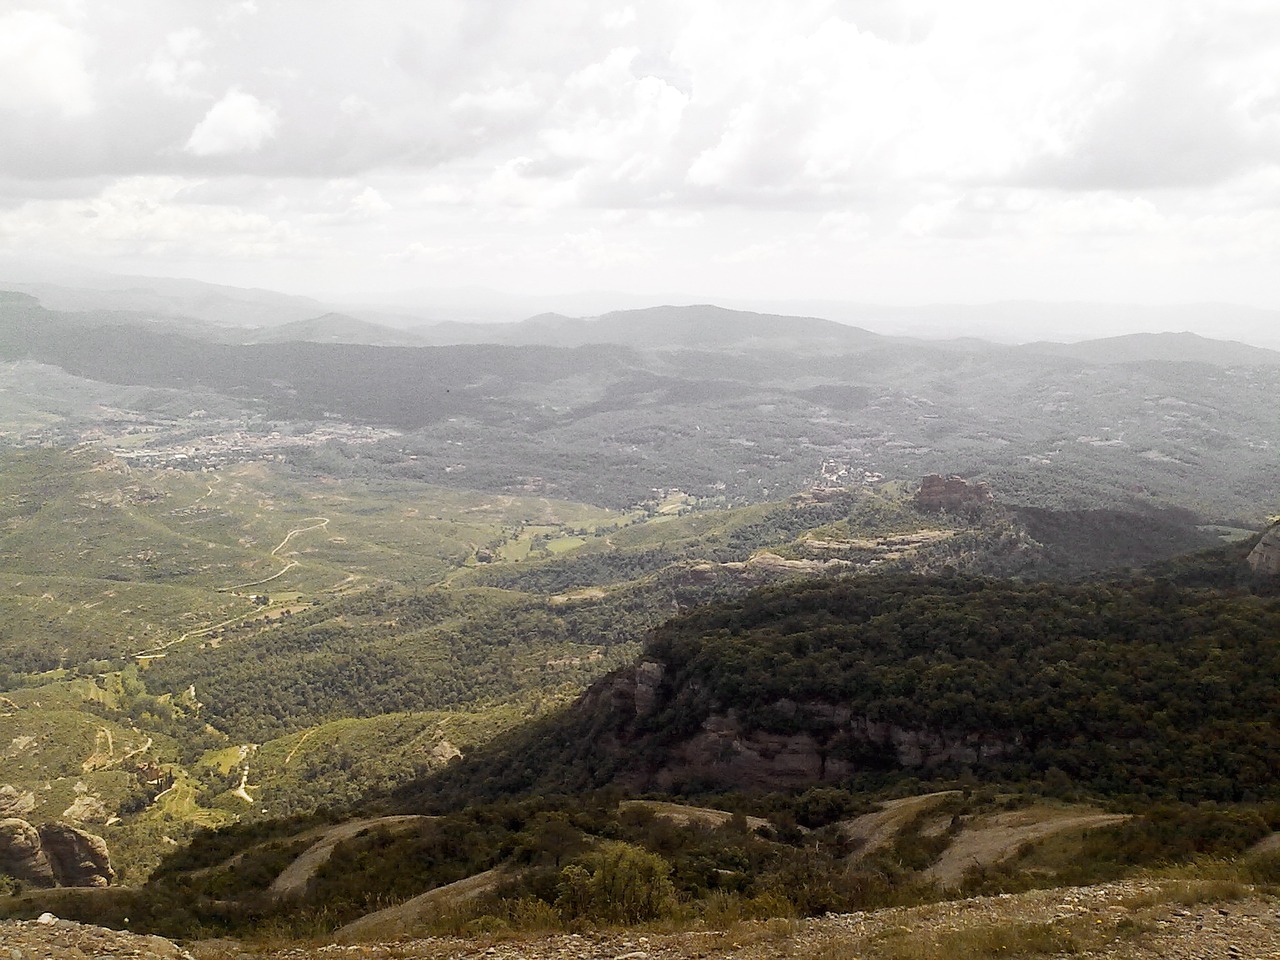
829 743
1264 559
53 854
726 751
22 854
952 494
78 858
15 802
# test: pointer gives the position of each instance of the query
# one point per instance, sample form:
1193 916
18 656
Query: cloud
346 202
1170 123
42 65
147 215
597 250
238 123
175 66
619 18
834 135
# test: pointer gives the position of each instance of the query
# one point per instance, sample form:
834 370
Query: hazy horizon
1000 321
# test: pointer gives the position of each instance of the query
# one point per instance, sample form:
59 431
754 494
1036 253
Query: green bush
617 883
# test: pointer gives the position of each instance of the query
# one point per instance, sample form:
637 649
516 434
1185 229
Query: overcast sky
899 151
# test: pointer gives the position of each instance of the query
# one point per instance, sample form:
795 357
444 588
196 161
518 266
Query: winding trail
298 746
156 652
320 524
191 506
255 583
293 880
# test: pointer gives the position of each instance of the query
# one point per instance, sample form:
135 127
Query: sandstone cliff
953 494
828 742
53 854
1264 559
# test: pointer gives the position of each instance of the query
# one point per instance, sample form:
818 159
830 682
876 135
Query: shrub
617 883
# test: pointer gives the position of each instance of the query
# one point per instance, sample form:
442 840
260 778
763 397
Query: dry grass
975 942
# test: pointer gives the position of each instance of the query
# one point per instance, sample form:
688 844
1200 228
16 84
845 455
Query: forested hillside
1126 689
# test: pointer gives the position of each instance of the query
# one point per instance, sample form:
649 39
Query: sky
891 151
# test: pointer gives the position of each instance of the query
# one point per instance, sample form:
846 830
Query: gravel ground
1132 920
51 939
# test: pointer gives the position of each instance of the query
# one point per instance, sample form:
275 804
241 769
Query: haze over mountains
709 400
460 316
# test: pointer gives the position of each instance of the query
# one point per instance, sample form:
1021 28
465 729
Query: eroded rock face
953 494
725 752
445 752
648 676
54 854
78 859
15 803
831 742
1264 559
22 854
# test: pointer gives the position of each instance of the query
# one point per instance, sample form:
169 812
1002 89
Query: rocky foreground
1133 920
52 939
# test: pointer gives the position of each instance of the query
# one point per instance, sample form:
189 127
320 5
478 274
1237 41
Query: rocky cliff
1264 559
53 854
952 494
828 742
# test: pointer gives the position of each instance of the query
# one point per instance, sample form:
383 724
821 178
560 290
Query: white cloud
43 65
238 123
147 216
620 18
594 249
345 202
852 142
176 66
496 102
235 11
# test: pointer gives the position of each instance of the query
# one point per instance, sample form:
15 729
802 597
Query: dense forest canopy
1128 689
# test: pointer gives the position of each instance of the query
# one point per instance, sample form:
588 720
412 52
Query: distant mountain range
448 317
715 402
696 327
1181 347
667 327
334 328
162 297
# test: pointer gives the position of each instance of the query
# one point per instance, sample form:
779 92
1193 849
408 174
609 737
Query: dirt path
875 830
683 814
190 507
1267 845
293 880
401 920
257 583
157 652
320 524
990 839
